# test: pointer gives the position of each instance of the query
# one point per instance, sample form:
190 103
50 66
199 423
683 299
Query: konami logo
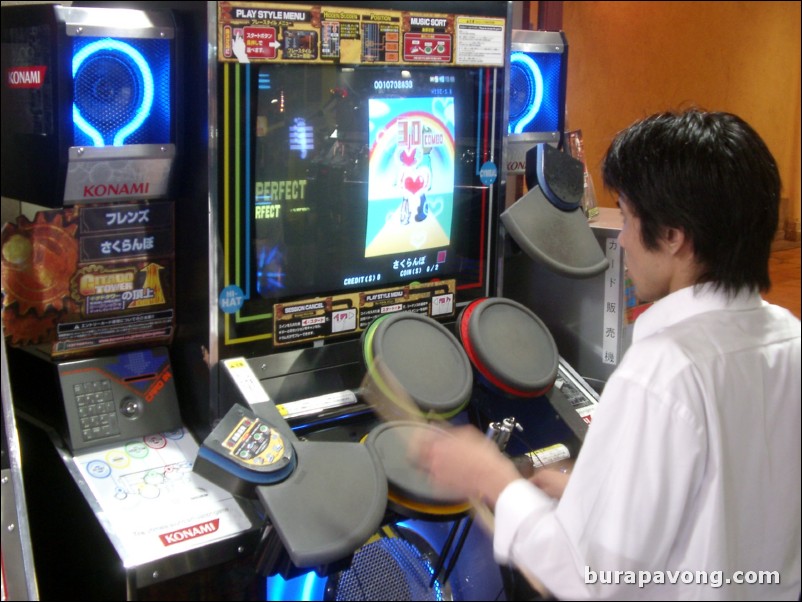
187 533
26 77
108 190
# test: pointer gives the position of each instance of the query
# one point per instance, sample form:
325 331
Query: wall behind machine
631 59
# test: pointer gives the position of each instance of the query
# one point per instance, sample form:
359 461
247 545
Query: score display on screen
365 177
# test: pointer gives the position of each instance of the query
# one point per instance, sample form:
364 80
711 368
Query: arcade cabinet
90 137
357 158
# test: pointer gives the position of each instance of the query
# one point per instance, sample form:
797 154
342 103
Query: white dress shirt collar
688 302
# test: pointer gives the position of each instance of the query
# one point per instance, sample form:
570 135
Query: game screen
365 177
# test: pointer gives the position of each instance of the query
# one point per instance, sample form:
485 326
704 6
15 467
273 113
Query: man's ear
676 241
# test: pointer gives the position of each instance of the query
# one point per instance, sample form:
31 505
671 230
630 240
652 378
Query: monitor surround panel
359 190
538 74
88 104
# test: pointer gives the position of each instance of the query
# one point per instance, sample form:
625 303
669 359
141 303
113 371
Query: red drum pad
510 347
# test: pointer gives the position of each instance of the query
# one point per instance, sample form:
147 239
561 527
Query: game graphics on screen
362 189
411 175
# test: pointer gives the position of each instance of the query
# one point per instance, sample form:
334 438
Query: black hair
710 175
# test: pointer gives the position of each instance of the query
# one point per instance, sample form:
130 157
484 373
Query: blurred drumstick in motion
387 397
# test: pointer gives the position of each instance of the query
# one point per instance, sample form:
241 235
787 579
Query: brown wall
630 59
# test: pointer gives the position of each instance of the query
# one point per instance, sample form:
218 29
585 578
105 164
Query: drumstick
387 397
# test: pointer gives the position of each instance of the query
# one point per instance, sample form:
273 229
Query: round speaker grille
108 90
522 91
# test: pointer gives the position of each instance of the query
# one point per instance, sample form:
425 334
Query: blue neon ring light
141 113
531 68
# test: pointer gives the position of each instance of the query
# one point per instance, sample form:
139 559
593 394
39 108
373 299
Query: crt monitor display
363 178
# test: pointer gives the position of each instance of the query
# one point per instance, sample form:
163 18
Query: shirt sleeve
520 502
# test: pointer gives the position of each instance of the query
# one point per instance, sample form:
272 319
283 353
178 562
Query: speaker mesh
523 92
388 569
111 87
108 90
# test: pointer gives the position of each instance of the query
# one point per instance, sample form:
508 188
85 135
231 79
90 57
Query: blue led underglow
304 587
309 585
141 113
530 67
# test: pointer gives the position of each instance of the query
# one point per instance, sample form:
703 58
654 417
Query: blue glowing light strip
530 66
249 212
147 98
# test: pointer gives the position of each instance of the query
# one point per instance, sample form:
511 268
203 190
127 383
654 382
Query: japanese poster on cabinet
261 32
84 278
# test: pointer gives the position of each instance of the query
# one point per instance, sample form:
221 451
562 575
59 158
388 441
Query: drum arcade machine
342 234
356 196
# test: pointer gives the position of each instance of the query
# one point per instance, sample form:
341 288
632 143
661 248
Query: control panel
114 398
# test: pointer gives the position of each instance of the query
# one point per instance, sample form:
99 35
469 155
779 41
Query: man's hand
551 480
464 461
